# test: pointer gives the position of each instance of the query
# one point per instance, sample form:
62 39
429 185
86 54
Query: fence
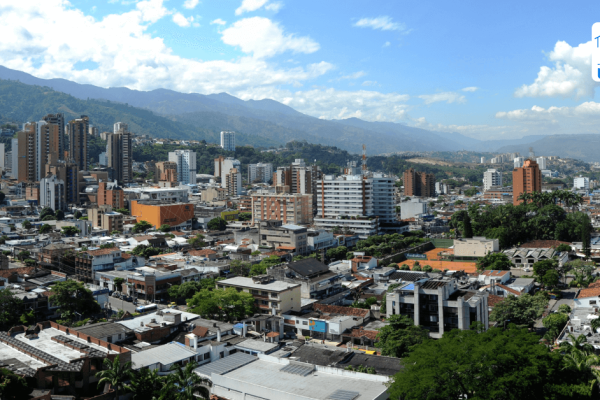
443 243
401 256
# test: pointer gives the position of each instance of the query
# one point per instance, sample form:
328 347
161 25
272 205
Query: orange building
418 183
527 179
288 208
109 193
177 215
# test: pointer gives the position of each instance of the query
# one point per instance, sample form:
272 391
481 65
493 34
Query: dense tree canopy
495 262
400 336
222 304
72 296
520 310
217 224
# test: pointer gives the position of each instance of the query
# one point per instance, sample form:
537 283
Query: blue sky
488 70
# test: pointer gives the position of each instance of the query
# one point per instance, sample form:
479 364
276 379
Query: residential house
315 278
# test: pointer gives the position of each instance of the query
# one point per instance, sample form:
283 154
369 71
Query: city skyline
486 71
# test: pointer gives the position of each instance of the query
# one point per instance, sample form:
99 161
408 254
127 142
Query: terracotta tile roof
226 241
594 285
286 248
200 331
351 311
509 290
495 273
589 292
276 253
273 334
126 256
142 238
360 332
7 273
203 252
542 244
100 252
493 300
177 233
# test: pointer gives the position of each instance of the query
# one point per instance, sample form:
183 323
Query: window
592 301
304 322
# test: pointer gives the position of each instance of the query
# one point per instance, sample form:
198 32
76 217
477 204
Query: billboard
230 215
409 255
317 326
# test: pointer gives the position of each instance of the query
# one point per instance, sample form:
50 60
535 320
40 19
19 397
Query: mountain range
171 114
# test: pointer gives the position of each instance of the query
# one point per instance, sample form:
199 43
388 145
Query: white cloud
354 75
370 83
386 44
275 7
568 77
448 97
383 23
152 10
190 4
181 20
265 38
483 132
218 21
250 5
470 89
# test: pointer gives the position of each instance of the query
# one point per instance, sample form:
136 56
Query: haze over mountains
268 122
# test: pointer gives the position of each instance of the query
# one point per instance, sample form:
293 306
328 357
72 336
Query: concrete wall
475 247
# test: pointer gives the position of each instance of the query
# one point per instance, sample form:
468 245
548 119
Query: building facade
186 165
59 120
109 193
271 296
69 174
228 140
77 133
261 172
491 177
418 183
288 208
165 171
176 215
527 179
52 193
119 154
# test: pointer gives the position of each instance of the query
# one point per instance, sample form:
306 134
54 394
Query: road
118 304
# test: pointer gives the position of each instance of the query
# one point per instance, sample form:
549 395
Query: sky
488 70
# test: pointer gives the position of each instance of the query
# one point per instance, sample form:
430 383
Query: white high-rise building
186 165
52 192
581 182
120 125
102 159
518 162
15 158
228 140
8 162
491 177
225 167
353 201
2 153
541 162
261 171
483 160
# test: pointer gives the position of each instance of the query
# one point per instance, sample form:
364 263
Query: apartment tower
59 120
119 153
491 177
527 179
186 165
165 171
68 173
418 183
77 133
228 141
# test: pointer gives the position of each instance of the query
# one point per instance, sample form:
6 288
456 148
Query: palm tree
186 383
115 374
145 384
577 344
580 360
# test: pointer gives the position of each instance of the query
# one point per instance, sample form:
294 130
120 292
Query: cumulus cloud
218 21
264 38
354 75
250 5
470 89
484 132
370 83
190 4
386 44
448 97
274 6
383 23
181 20
568 77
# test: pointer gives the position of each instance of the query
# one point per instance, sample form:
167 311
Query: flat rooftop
299 380
136 322
249 283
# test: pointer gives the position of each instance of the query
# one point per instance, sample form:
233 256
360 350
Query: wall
290 299
401 256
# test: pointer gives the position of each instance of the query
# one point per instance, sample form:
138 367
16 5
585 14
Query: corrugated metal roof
225 365
167 354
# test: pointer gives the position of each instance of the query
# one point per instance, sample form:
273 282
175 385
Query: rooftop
257 345
308 267
166 354
103 329
249 283
225 365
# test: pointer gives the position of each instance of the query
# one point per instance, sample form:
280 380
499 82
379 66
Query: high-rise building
186 165
109 193
93 131
27 153
52 193
103 159
120 126
527 179
541 162
14 154
491 177
223 166
165 171
358 202
261 172
2 157
68 173
77 133
288 208
119 154
228 140
418 183
581 183
233 182
58 119
518 162
8 162
298 178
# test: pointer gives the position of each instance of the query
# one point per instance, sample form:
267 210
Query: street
118 304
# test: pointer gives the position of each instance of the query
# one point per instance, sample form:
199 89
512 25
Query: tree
72 296
261 268
27 318
520 310
70 230
427 268
26 224
45 212
244 216
108 246
550 278
467 228
576 343
115 232
337 253
141 226
165 228
404 267
197 242
77 215
146 251
123 211
540 268
45 228
223 304
217 224
563 247
417 267
115 374
494 364
13 386
564 309
471 192
10 309
119 284
23 254
494 261
186 383
399 337
145 384
60 215
49 218
554 322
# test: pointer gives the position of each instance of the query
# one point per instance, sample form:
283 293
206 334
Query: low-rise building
283 236
105 218
475 247
158 213
526 257
270 296
315 278
87 263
